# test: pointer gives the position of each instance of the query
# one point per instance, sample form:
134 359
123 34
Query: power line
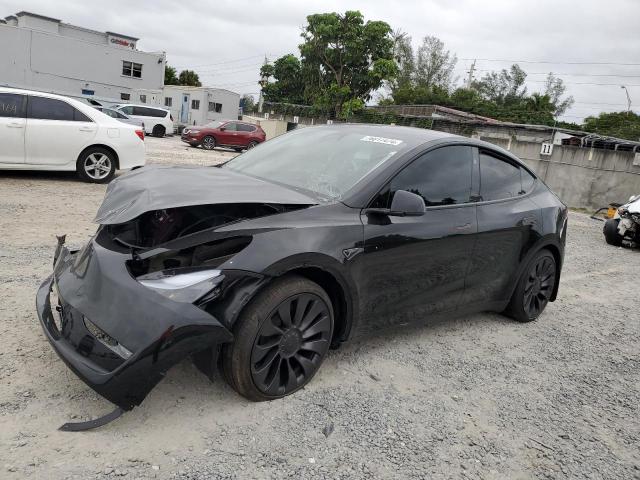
549 62
227 61
576 74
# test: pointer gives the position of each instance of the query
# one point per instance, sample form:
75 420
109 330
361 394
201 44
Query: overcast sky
588 41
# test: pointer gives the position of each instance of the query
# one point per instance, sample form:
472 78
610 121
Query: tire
158 131
238 149
208 142
275 352
610 230
252 144
534 288
96 165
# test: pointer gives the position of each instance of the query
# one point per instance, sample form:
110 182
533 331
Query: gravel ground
476 397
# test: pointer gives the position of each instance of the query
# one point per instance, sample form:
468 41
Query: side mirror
407 204
222 129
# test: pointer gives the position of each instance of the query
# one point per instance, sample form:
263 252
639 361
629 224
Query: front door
56 132
12 127
184 109
413 267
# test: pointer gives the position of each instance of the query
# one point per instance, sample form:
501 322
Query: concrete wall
54 63
229 100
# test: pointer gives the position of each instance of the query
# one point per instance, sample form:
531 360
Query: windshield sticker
386 141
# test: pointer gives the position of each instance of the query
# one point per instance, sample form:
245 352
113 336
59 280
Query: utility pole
470 79
628 98
263 83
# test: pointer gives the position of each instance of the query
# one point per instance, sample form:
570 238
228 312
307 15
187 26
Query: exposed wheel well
98 145
342 314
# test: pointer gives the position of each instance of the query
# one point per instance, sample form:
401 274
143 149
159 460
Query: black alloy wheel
534 289
281 339
252 144
291 344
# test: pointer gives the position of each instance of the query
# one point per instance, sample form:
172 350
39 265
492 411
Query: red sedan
225 133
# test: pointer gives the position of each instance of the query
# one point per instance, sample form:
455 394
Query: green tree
248 103
345 59
170 77
288 85
189 78
504 87
555 89
616 124
434 65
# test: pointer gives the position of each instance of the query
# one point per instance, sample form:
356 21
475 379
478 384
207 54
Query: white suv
158 121
41 131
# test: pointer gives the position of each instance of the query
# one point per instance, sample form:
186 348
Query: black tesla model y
257 267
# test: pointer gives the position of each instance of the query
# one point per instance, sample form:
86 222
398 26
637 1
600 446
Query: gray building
200 105
46 54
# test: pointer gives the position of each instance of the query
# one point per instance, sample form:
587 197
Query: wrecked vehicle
624 228
259 266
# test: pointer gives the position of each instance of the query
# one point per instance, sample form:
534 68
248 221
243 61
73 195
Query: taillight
140 134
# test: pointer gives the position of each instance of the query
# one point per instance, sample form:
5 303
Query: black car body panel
380 270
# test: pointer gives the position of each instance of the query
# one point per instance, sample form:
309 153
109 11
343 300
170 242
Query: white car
41 131
157 121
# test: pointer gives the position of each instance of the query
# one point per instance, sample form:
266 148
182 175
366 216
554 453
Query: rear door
56 132
12 127
508 222
245 133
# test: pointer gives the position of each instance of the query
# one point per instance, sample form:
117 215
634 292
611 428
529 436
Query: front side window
128 110
195 104
231 127
52 109
440 177
12 105
499 179
243 127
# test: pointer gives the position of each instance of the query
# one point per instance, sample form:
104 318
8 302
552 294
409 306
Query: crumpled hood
159 187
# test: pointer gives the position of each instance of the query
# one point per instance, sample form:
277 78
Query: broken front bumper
100 304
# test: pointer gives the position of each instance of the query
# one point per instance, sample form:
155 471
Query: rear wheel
281 339
158 131
534 289
610 230
96 165
252 144
208 142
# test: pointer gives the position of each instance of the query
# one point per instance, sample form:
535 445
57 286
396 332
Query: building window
143 99
215 107
125 96
168 101
131 69
88 92
195 104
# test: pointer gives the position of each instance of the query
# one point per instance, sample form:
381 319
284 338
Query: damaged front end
152 287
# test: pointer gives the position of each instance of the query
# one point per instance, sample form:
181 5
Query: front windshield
324 161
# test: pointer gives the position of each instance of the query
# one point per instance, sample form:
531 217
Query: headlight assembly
182 284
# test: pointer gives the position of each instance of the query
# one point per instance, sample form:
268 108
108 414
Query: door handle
86 129
461 228
15 125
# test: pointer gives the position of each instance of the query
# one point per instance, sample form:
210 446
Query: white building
200 105
46 54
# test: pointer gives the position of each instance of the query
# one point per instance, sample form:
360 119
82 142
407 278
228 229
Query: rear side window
243 127
440 177
12 105
527 180
499 179
140 111
52 109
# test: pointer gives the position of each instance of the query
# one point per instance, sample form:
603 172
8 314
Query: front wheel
281 339
534 289
208 142
610 230
96 165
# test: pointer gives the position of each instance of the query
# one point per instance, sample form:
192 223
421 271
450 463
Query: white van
157 121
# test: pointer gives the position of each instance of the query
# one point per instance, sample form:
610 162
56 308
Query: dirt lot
477 397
